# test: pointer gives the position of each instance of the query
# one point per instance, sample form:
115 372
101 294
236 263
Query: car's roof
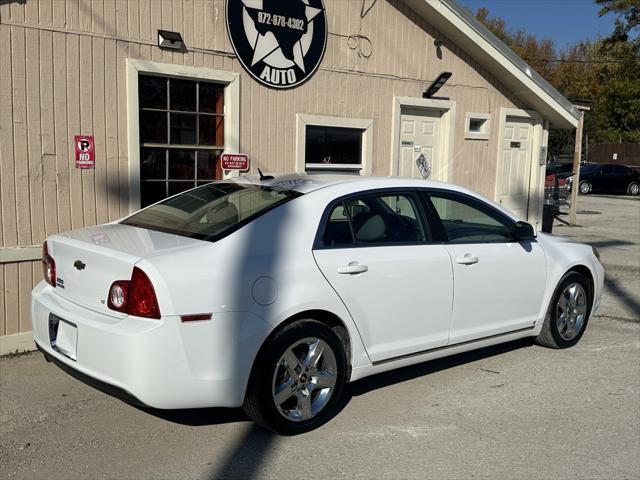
306 183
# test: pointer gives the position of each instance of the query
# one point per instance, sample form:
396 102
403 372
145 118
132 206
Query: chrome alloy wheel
585 187
571 311
304 379
634 189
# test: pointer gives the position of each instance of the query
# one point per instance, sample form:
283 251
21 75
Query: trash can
548 215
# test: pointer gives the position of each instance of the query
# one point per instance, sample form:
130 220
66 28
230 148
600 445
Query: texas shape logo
279 42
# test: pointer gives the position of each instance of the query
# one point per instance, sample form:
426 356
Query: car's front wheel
297 379
585 187
568 313
633 189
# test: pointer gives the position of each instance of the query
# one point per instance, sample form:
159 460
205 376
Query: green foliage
628 20
605 71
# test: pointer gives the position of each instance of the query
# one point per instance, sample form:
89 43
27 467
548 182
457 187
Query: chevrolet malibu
273 293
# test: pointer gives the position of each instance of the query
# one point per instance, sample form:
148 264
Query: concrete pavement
512 411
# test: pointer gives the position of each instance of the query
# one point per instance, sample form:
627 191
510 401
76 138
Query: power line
562 60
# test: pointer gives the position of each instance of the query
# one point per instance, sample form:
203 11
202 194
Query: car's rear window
212 211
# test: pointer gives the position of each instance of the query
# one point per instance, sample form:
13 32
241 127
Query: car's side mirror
524 231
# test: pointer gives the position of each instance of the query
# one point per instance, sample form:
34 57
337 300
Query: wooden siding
63 73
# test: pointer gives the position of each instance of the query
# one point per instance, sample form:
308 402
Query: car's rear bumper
94 382
160 363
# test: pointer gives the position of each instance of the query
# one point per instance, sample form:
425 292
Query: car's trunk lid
88 261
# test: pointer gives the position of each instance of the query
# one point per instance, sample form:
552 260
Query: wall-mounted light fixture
438 44
436 85
170 40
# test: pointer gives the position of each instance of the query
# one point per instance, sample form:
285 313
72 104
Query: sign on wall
280 43
85 152
234 161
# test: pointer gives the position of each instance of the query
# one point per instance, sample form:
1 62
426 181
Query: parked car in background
558 168
272 293
608 178
556 184
556 187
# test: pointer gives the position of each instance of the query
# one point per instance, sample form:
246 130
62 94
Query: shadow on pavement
394 377
621 294
216 416
247 456
609 243
198 417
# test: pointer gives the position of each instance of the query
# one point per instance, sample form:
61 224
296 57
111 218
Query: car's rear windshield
211 211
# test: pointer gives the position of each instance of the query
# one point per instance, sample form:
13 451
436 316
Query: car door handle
352 268
468 259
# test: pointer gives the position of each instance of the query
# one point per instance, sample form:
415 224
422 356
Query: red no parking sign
85 153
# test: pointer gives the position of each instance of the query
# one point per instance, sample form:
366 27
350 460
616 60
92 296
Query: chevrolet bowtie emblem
79 264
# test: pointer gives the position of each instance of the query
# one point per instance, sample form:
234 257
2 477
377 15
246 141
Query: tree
628 20
605 71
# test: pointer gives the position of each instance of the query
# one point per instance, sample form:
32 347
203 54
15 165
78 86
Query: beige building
313 85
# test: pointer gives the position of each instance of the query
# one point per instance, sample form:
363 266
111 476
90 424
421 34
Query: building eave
480 43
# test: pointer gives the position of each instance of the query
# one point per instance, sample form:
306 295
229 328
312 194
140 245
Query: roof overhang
514 73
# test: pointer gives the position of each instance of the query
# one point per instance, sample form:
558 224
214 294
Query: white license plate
66 337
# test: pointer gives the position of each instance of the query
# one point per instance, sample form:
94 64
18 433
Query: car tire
293 412
584 188
633 188
567 316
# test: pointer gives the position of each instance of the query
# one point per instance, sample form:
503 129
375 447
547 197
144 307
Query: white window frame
304 119
231 82
447 130
486 126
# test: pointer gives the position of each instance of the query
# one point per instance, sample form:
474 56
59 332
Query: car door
498 282
604 179
622 177
376 252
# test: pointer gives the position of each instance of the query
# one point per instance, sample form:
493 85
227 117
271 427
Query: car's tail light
134 297
48 266
142 299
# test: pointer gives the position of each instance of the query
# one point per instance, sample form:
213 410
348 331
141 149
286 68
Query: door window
467 221
375 220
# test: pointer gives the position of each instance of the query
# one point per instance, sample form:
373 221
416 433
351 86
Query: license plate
63 336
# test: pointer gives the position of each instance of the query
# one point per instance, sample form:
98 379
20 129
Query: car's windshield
211 211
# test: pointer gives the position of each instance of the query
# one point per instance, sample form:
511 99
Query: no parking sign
85 153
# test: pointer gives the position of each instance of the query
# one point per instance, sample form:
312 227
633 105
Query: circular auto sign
280 43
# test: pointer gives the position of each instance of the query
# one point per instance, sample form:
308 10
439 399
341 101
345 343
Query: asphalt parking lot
513 411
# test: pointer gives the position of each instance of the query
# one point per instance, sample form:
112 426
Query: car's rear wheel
568 313
585 187
633 188
297 379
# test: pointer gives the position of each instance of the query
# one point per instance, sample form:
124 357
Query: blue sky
563 21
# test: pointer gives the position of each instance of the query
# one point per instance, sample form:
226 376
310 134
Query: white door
397 287
515 168
498 283
419 133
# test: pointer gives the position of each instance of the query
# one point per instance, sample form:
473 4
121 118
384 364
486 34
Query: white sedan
272 293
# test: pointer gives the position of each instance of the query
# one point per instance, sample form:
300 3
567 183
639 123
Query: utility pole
577 156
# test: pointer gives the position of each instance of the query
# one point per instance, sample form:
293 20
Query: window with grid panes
181 135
